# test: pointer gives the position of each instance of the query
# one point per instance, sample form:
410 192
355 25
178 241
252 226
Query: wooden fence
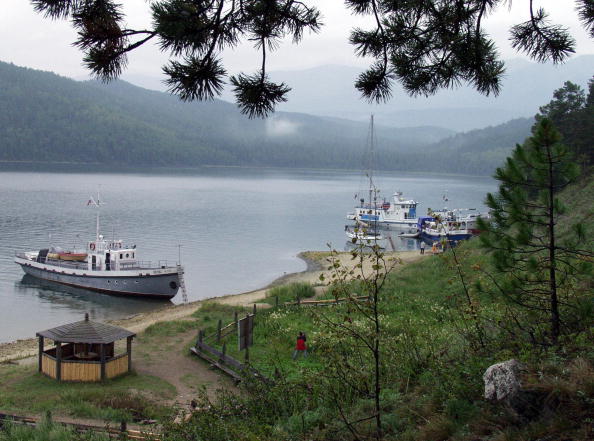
327 302
219 359
115 433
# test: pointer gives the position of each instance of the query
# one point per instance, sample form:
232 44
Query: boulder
503 385
502 380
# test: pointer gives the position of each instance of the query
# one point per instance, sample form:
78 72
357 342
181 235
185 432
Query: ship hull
159 286
451 237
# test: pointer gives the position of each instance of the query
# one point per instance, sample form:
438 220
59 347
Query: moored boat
106 266
362 234
398 212
454 225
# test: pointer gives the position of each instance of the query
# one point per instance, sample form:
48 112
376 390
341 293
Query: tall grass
24 391
47 431
289 293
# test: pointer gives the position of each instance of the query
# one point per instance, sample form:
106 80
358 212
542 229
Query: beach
317 264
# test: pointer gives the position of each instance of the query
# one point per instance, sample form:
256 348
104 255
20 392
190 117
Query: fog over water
239 228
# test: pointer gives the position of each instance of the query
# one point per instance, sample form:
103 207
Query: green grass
289 293
433 364
170 328
130 397
47 431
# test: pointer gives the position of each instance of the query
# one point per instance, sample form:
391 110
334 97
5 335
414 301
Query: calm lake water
239 228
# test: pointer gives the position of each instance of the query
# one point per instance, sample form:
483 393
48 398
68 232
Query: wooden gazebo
84 351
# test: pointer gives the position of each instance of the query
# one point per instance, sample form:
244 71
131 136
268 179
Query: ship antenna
96 203
371 158
97 230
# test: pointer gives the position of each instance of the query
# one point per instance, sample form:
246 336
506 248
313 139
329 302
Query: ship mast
370 164
97 204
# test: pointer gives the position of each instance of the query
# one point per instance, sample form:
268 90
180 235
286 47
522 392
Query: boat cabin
104 255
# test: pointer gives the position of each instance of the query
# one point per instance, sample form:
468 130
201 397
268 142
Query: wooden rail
123 430
229 365
325 302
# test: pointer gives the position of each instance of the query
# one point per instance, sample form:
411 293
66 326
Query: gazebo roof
86 331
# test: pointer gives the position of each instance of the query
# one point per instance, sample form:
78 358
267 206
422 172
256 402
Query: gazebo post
40 352
58 360
129 352
102 356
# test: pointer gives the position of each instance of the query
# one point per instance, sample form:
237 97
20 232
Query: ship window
127 255
136 281
132 255
121 256
109 281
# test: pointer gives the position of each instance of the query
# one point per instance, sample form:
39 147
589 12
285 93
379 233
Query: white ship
106 266
399 212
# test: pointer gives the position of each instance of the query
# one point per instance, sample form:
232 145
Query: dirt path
186 373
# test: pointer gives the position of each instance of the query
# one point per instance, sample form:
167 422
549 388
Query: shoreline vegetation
111 168
25 348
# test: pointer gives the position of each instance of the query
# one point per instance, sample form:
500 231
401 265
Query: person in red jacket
300 347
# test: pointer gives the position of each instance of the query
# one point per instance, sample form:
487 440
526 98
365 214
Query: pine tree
424 44
536 267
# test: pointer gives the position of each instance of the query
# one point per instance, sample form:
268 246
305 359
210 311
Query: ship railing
142 264
55 262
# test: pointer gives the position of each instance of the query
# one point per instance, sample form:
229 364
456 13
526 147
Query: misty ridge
48 118
329 91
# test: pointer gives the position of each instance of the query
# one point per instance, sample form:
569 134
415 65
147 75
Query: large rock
503 384
502 380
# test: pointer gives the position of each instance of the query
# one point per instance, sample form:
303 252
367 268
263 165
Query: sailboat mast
371 156
97 230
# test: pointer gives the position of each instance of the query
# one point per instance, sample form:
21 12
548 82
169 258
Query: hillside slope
45 117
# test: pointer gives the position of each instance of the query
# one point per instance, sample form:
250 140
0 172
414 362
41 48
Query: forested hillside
45 117
48 118
475 152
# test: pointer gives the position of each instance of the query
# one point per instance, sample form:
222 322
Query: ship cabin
110 255
399 209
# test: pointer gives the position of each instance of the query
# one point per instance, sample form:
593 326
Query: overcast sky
27 39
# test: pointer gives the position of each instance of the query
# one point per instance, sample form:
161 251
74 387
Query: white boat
457 224
398 212
362 234
110 267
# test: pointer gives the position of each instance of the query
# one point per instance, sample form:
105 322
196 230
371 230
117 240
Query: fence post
276 301
298 302
254 309
123 426
219 330
247 354
235 317
224 352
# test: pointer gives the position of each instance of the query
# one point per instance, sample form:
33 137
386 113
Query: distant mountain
476 152
329 91
45 117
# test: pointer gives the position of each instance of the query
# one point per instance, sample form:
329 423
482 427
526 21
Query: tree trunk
555 331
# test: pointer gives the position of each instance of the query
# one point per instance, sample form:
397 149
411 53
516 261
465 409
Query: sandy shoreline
139 322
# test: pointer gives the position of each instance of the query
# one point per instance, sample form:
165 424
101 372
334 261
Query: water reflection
98 305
